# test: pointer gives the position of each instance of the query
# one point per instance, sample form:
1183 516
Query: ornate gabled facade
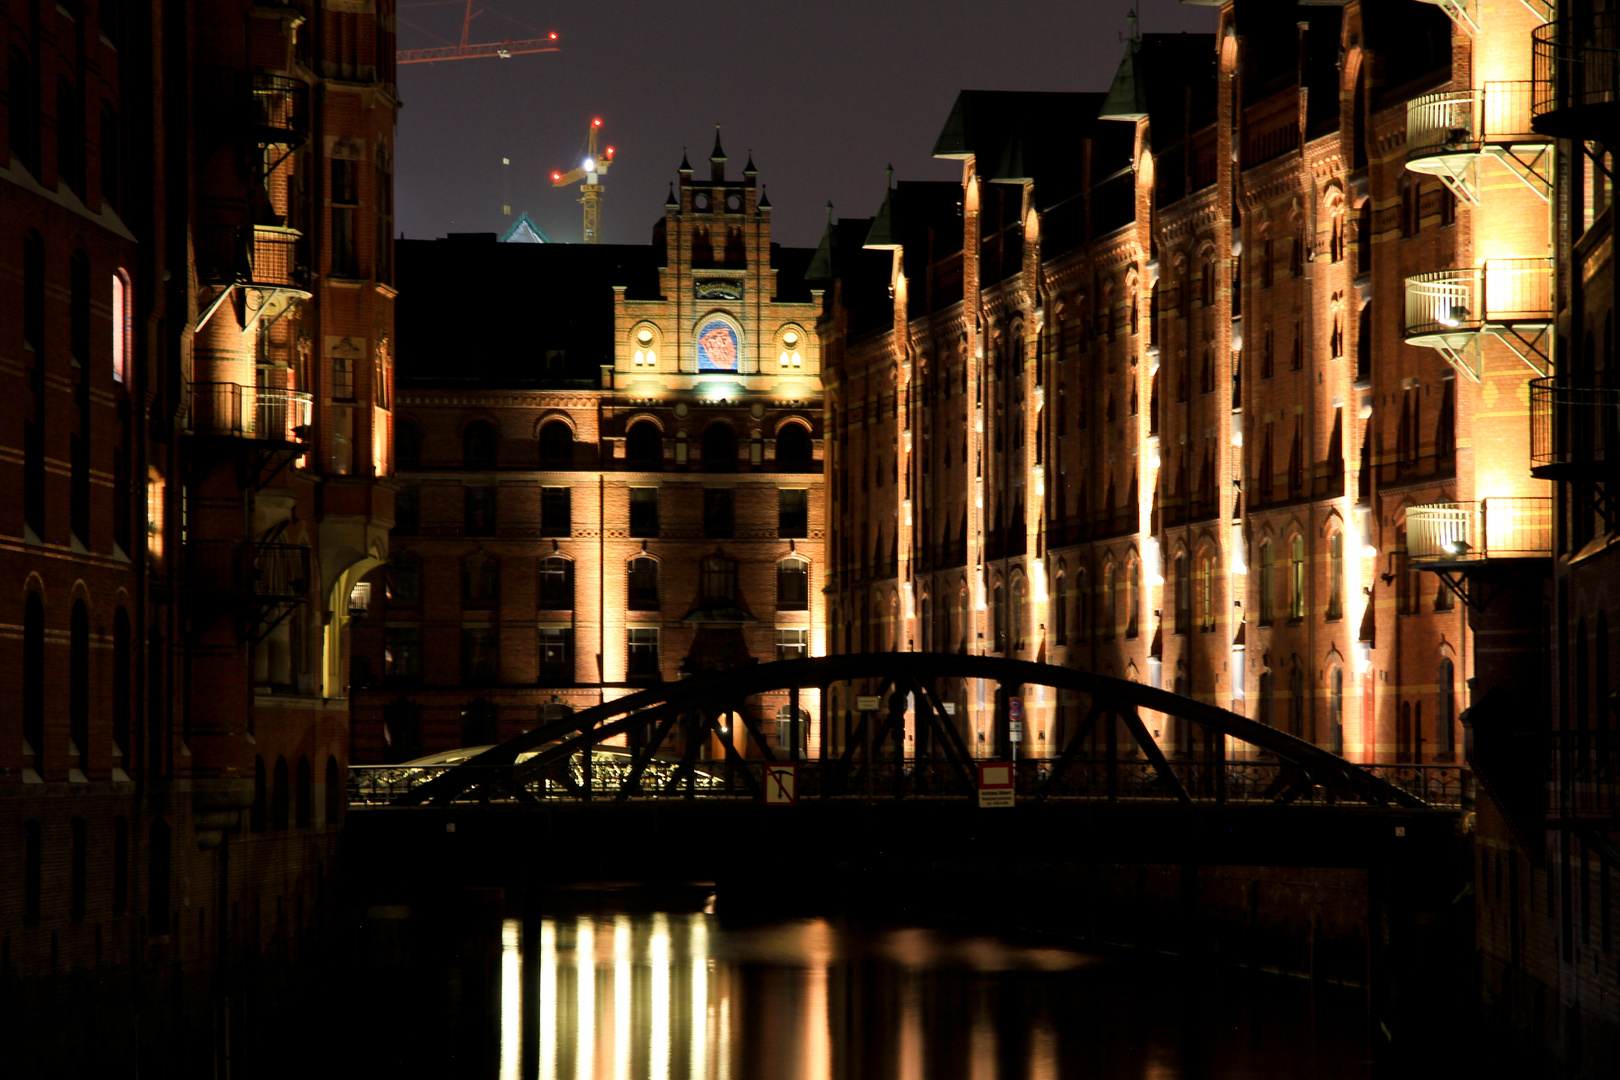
625 488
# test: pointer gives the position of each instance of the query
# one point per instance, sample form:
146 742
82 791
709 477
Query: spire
671 202
748 169
829 211
686 166
1131 30
764 198
717 158
889 172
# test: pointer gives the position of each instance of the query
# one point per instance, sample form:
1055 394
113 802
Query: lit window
120 325
646 348
790 357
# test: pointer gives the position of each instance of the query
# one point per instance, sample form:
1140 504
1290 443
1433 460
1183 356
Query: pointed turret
748 169
764 198
686 166
717 158
671 202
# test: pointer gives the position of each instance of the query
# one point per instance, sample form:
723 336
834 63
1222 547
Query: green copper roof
1127 97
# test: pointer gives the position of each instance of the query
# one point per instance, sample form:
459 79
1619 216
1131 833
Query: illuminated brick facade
197 209
620 488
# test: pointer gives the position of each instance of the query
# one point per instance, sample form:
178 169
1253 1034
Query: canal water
628 984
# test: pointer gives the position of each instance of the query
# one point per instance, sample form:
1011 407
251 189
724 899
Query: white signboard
867 702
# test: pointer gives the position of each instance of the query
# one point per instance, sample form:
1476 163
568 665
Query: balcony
1572 427
265 257
266 413
1453 535
1586 777
1511 299
1447 133
1576 64
280 109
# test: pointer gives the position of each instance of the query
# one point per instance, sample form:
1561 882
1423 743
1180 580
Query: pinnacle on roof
718 153
717 159
686 166
764 198
671 201
748 169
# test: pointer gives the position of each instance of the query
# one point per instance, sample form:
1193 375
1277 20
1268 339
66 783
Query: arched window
1133 596
1296 577
304 795
644 446
643 590
962 620
556 584
23 107
719 448
1181 738
1336 709
479 445
69 136
1445 716
79 307
122 315
480 578
784 728
1206 593
1183 585
793 449
1268 584
1020 612
336 798
1403 734
1060 612
79 683
1268 698
1296 702
407 445
646 351
280 795
1335 604
793 584
1110 608
112 182
556 445
998 623
33 696
259 817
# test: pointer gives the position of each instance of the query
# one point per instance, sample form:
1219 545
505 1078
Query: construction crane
505 49
590 170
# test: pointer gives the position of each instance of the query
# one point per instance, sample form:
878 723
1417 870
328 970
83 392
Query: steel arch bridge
656 744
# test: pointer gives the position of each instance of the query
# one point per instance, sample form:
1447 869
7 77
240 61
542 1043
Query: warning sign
995 784
781 785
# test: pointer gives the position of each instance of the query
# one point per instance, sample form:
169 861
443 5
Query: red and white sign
995 784
781 785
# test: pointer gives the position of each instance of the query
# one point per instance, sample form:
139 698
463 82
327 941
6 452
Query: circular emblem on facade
718 346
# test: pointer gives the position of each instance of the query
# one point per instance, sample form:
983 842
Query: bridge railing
1090 778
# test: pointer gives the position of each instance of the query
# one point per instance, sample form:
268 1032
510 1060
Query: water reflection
674 995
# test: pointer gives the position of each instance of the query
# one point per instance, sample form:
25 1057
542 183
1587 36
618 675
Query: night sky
825 93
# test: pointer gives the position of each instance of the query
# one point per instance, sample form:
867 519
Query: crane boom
466 51
594 166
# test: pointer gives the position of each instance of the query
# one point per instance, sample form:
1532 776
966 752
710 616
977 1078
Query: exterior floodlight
589 164
1457 547
1455 316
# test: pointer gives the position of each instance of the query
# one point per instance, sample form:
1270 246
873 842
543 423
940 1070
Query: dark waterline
625 984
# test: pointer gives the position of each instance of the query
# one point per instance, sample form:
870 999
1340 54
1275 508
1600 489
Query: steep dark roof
473 312
1160 76
1023 135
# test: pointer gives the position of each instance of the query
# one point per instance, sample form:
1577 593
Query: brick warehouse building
611 476
197 366
1219 382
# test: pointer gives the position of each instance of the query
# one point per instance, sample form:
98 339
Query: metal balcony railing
246 569
1586 776
1497 528
1572 427
280 109
1576 66
250 412
263 256
1449 303
1464 121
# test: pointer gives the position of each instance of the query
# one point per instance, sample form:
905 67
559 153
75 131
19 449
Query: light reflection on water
677 996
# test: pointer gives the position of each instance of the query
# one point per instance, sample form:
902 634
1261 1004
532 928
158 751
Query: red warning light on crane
556 176
554 35
610 151
596 123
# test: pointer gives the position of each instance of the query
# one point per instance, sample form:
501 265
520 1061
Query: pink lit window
121 315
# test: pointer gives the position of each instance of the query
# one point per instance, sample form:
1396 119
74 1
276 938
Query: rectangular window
793 513
402 652
644 512
407 510
643 584
556 511
717 517
480 510
342 378
642 655
480 654
792 644
556 584
345 201
792 585
557 653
